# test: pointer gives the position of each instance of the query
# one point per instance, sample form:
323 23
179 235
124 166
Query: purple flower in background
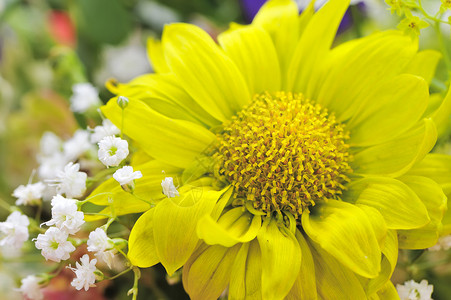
251 7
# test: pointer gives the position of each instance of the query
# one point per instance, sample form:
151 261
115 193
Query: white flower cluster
412 290
103 246
55 154
30 288
14 231
112 151
106 129
84 272
443 243
30 194
84 97
70 181
54 244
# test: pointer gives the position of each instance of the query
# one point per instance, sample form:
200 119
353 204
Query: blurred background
48 46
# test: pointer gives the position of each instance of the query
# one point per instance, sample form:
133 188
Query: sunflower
301 168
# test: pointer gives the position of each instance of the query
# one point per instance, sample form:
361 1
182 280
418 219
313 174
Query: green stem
5 205
445 52
120 274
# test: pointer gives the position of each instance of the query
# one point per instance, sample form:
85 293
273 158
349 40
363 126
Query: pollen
283 153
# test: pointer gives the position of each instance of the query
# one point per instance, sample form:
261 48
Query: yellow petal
305 285
175 142
398 204
206 73
424 64
280 19
389 111
435 201
388 292
246 280
388 264
437 167
441 115
253 52
235 226
156 56
397 156
148 187
141 243
207 273
175 222
344 231
279 270
354 70
310 50
333 280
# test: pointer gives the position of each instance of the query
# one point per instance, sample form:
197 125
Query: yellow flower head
300 168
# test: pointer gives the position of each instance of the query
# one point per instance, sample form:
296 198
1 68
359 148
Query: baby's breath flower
30 288
443 243
85 277
29 194
77 145
103 246
49 166
14 231
84 97
54 244
50 143
70 182
169 188
112 151
65 215
105 130
412 290
126 177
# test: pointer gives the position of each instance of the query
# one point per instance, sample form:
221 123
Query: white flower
85 277
169 188
84 97
77 145
70 182
443 243
105 130
14 230
50 143
65 215
100 243
29 194
125 175
112 151
30 288
412 290
54 245
50 165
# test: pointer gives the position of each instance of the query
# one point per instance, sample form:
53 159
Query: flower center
283 153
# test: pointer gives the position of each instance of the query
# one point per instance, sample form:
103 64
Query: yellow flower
301 168
412 25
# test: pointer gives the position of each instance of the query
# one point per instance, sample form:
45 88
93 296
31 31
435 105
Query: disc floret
284 153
